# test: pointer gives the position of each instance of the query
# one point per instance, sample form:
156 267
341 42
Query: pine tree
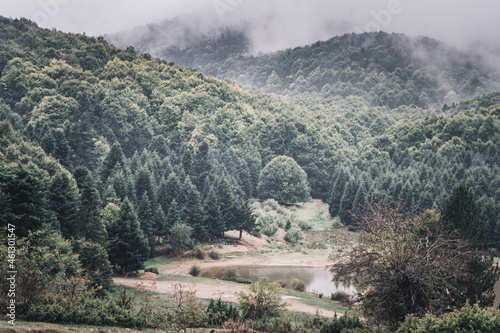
173 216
201 165
193 213
90 221
226 201
168 191
24 198
359 203
144 184
145 215
114 157
346 203
95 263
64 200
159 222
215 221
337 192
460 212
243 217
128 247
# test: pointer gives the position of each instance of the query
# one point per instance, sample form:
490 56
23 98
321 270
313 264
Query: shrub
200 254
152 270
214 255
468 319
298 285
337 325
304 226
341 296
89 311
195 270
282 283
271 203
219 312
231 272
264 300
267 226
293 236
288 225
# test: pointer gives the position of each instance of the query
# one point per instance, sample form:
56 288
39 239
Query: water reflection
316 279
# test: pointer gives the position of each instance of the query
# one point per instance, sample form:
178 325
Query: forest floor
255 251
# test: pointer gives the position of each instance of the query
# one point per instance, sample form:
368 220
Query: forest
109 155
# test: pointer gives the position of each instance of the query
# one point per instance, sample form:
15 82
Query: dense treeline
420 163
384 69
143 151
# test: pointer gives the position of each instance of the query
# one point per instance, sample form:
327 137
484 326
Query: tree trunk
241 233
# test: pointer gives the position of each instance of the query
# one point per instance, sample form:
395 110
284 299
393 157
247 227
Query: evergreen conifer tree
64 200
128 247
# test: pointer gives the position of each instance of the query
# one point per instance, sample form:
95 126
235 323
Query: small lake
318 280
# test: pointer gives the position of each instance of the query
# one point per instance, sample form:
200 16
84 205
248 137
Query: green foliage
470 318
180 238
338 325
219 312
128 248
263 301
88 311
412 264
293 236
461 213
94 261
152 270
298 285
231 272
237 279
195 270
284 180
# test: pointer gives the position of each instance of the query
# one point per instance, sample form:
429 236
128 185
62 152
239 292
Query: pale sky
282 23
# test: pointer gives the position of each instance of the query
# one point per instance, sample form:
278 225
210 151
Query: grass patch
158 261
322 303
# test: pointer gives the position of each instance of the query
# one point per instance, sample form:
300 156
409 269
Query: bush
264 300
152 270
282 283
89 311
341 296
304 226
214 255
200 254
195 270
219 312
293 236
231 272
337 325
271 203
468 319
267 226
298 285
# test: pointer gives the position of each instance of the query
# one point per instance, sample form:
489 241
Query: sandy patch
214 290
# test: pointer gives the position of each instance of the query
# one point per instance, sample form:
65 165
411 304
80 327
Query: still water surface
316 279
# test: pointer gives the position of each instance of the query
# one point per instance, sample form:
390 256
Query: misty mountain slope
385 69
189 42
77 97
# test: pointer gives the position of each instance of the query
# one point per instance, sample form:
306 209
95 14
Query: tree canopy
283 180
